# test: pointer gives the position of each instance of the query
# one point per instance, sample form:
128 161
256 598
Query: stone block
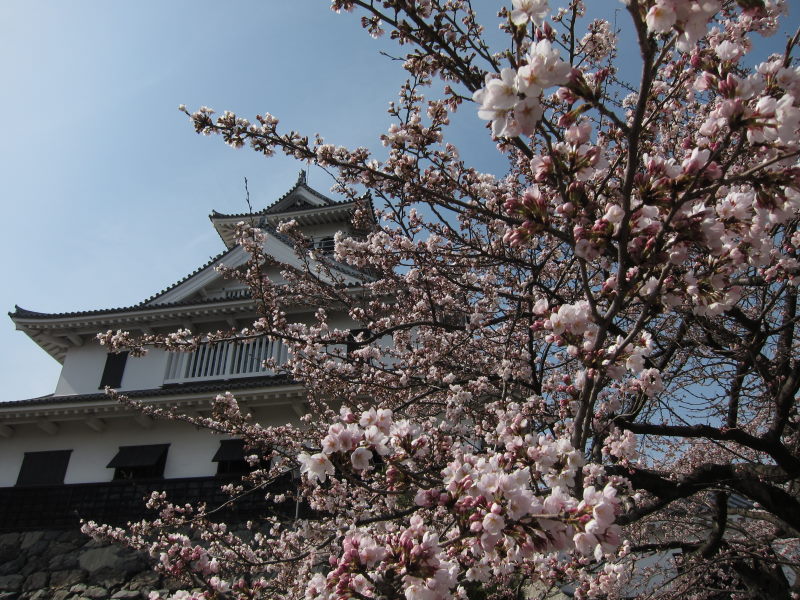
38 548
126 595
95 559
111 566
32 565
109 579
96 592
11 583
13 567
63 561
35 581
67 578
72 536
9 546
29 538
145 581
59 548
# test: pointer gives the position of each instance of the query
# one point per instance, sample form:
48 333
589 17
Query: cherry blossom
529 10
578 372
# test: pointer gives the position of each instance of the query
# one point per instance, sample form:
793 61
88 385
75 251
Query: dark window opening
451 319
352 344
112 372
139 462
230 458
44 468
326 245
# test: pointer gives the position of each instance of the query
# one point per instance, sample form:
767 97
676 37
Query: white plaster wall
189 455
143 372
83 367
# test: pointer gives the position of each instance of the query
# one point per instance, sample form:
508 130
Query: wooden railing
225 360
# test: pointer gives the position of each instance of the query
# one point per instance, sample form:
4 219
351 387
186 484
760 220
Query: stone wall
67 565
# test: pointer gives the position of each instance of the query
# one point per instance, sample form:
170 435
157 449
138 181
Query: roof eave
67 408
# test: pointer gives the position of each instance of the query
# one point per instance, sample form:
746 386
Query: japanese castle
77 453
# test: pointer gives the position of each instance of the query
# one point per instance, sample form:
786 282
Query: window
44 468
139 462
352 344
115 367
326 245
230 458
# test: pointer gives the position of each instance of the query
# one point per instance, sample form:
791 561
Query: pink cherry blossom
566 368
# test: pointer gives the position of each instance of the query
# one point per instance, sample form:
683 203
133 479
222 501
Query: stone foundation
67 565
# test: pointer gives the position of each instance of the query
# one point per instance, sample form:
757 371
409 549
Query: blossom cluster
604 334
512 100
689 17
503 520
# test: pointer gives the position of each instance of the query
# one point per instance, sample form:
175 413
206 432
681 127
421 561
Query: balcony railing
225 361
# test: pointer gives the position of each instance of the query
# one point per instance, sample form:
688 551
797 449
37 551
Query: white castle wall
83 368
144 372
190 452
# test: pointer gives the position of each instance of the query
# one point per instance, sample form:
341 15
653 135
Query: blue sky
105 188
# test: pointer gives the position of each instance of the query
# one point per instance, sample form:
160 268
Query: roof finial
301 178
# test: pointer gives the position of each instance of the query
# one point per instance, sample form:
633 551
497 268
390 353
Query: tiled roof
266 211
210 262
24 313
167 390
334 264
20 312
301 182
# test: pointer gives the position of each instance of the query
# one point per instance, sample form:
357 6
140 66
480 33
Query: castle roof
251 392
302 203
201 387
189 299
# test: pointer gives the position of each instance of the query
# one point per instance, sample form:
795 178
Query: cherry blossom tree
580 373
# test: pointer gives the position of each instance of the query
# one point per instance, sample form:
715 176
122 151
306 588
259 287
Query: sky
105 189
